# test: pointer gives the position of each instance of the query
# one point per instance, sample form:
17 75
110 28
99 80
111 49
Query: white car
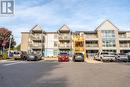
17 55
106 56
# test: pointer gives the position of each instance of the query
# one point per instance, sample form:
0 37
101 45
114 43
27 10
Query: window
108 38
55 36
108 33
55 43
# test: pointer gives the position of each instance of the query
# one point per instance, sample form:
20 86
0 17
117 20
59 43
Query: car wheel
27 59
101 59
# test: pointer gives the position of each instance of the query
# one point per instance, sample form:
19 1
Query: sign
6 7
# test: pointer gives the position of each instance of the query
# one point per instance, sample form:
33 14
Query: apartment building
36 40
47 43
106 37
65 39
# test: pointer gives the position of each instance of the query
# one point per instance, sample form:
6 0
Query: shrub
5 55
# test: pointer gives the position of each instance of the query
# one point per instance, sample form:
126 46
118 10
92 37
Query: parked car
63 57
20 55
106 56
128 54
24 55
122 57
17 55
96 57
33 57
78 57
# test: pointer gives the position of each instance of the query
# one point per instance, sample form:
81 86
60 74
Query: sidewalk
89 60
50 58
4 61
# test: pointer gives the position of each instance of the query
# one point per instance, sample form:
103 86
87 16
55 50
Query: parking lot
51 73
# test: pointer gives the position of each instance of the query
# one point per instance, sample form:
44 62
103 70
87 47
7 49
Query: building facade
105 38
51 44
65 39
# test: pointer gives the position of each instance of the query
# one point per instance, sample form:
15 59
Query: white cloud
78 14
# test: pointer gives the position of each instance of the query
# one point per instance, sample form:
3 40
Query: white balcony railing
64 38
91 45
125 45
64 46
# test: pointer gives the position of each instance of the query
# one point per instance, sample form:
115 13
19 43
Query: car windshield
112 53
104 53
63 54
122 54
79 54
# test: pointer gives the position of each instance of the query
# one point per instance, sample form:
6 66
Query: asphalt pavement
70 74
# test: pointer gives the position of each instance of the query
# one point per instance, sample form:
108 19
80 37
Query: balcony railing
35 46
91 37
64 37
64 46
79 49
91 45
124 37
125 45
37 37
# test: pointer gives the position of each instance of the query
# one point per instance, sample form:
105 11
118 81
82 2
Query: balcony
91 45
124 38
78 38
36 46
64 37
37 37
125 46
64 46
91 37
79 49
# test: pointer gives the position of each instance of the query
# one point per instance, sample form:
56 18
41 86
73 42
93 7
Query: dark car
63 57
24 55
78 57
122 57
33 57
128 56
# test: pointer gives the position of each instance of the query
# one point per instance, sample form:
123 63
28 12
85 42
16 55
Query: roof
106 21
64 28
87 31
51 32
37 28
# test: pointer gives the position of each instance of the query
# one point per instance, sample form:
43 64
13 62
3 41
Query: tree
5 39
18 47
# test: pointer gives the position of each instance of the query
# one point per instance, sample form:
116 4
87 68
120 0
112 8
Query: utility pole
10 39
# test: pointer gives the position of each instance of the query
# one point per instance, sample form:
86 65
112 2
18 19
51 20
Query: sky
83 15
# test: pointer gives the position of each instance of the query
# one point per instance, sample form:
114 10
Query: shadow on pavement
31 75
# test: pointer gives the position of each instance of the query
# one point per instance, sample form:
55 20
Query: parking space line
11 63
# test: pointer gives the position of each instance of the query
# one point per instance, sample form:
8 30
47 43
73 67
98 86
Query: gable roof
64 28
36 28
105 22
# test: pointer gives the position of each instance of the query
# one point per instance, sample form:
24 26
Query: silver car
106 56
34 57
122 57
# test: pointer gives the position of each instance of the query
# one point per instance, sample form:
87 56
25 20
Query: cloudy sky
77 14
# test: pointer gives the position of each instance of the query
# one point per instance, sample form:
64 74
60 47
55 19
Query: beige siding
24 41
